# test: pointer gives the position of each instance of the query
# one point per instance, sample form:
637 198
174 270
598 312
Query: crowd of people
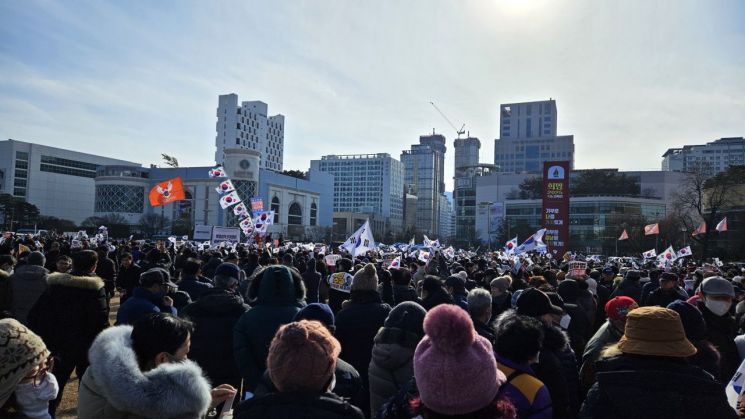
255 332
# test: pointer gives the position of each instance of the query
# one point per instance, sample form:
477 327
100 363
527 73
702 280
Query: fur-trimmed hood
67 280
171 390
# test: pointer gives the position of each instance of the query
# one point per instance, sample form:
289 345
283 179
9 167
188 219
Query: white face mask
564 322
719 308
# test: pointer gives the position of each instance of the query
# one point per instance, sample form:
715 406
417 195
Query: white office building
248 126
59 182
366 183
528 138
713 157
424 174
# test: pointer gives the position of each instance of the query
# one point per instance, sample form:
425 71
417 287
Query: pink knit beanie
455 369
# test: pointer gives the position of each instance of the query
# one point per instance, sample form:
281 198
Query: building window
295 214
313 214
528 128
21 164
19 192
21 155
68 163
275 207
67 171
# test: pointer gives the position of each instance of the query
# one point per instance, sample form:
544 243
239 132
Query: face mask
564 322
718 307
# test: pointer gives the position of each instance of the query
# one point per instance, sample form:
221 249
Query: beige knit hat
366 279
20 351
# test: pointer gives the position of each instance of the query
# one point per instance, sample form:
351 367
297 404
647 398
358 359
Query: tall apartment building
424 173
713 157
248 126
366 183
528 137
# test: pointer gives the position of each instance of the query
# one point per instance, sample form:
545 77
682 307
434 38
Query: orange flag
651 229
167 192
624 235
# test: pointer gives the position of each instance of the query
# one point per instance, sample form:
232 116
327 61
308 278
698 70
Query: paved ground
69 406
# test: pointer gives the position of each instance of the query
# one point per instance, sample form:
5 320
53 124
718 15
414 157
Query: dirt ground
68 408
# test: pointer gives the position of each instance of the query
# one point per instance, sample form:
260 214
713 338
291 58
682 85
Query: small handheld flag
225 186
649 254
218 171
684 252
229 199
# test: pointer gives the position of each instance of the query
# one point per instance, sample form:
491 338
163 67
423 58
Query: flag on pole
247 225
652 229
225 186
684 252
218 172
722 225
669 254
361 241
396 263
649 254
411 242
701 229
624 235
427 241
263 220
167 192
510 246
240 210
229 199
534 242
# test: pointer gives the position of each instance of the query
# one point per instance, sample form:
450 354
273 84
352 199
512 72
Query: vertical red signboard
555 214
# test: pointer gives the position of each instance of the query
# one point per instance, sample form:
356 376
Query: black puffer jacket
28 283
659 388
128 279
721 332
70 313
297 406
557 368
215 315
312 280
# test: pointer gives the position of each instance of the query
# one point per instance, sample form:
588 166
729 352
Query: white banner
226 234
202 232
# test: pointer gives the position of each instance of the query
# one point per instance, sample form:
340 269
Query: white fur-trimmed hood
168 391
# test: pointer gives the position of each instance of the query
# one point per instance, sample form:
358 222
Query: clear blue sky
132 79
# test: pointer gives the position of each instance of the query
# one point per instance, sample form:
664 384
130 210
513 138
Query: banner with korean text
555 211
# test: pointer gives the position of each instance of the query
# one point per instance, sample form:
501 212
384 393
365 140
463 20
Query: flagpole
616 247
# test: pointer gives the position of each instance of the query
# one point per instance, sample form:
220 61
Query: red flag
167 192
701 229
651 229
722 226
624 235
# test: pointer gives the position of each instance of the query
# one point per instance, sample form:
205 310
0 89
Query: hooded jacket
115 387
27 284
276 304
391 366
215 316
70 313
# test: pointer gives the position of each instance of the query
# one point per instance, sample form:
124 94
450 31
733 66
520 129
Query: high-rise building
528 137
366 183
247 126
424 173
712 157
467 152
447 227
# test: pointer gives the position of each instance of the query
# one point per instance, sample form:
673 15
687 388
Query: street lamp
488 221
683 230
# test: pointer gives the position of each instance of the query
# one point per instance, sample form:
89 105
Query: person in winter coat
27 284
433 293
312 280
402 289
456 373
276 296
142 371
610 332
501 297
653 284
149 297
106 270
337 286
479 307
630 286
707 357
192 282
667 291
518 342
128 277
301 363
6 297
650 378
69 315
347 382
215 315
580 326
717 294
557 365
456 287
391 365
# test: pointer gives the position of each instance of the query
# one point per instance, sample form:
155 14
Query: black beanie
408 316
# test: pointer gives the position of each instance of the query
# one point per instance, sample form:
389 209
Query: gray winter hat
717 286
36 258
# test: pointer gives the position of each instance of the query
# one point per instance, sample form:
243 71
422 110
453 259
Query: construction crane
460 131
